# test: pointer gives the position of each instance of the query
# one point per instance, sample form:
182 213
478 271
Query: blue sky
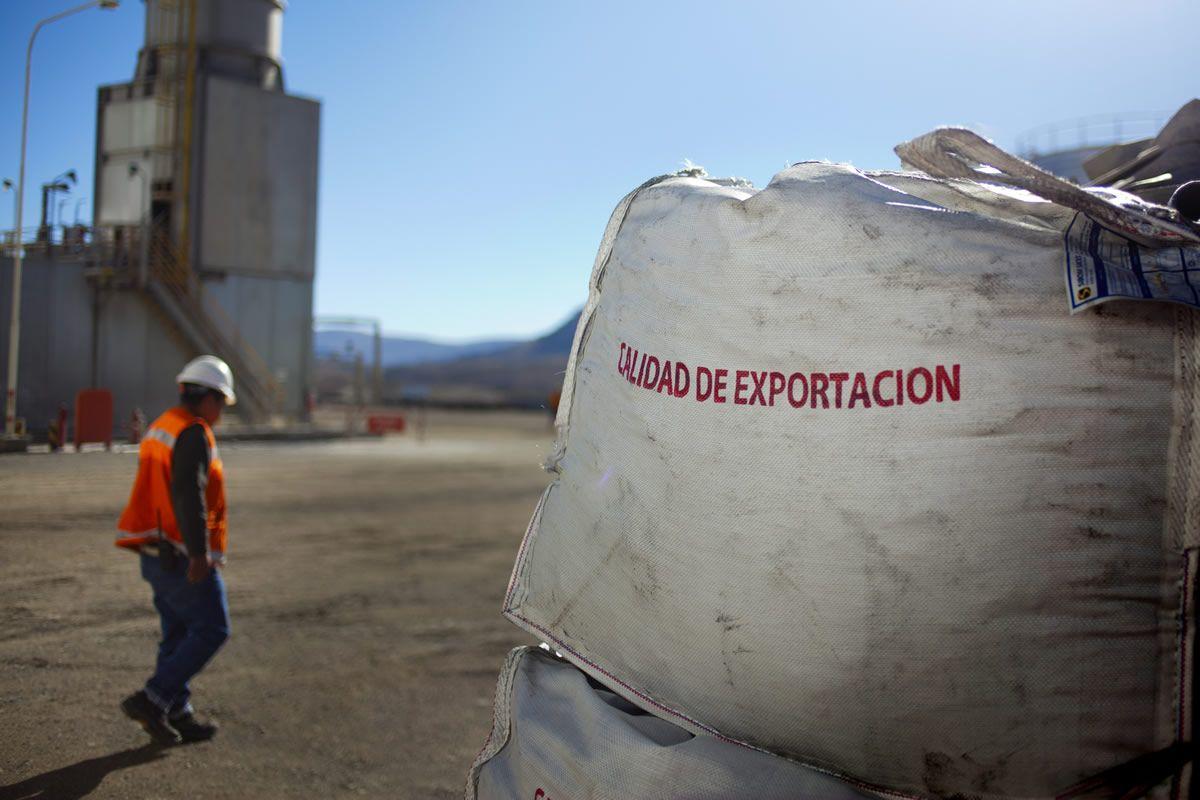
471 152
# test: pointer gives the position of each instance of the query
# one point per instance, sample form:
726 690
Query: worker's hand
198 568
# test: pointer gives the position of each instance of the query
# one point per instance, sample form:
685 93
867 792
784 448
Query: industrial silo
206 199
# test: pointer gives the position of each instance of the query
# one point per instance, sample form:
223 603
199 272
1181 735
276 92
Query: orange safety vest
150 509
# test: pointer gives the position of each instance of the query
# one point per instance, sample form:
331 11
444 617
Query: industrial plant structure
203 234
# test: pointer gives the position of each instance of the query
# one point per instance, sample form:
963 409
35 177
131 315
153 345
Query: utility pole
14 319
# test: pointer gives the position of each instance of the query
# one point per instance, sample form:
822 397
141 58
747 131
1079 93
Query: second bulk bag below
557 736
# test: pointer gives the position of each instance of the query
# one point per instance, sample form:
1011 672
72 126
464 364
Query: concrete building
204 228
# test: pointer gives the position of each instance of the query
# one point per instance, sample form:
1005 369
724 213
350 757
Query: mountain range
399 350
490 373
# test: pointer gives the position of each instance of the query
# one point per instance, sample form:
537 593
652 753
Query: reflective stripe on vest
159 435
150 509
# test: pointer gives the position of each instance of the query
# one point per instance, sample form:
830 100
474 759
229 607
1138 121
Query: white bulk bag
840 475
558 737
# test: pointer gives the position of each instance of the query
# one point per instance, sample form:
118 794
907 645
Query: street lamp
14 319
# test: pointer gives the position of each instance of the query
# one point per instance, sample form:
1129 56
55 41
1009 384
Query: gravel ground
365 580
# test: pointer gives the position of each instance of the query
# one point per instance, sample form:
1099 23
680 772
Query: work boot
191 729
139 708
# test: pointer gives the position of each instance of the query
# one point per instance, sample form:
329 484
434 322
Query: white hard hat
212 372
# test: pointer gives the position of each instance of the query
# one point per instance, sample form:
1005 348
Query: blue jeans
195 623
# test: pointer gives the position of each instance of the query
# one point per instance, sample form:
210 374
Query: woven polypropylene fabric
564 738
950 565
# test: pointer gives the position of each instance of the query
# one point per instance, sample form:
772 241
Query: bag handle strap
964 154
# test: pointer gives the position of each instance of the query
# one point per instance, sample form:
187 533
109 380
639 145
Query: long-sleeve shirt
189 479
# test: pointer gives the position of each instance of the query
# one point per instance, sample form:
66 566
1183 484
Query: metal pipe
14 319
95 372
377 368
144 258
44 224
58 218
9 186
189 101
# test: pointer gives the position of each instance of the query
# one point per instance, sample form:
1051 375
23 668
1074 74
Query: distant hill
557 343
399 351
521 374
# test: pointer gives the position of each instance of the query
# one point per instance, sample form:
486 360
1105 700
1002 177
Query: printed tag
1102 266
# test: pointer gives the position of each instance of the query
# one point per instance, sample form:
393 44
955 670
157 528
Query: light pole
14 319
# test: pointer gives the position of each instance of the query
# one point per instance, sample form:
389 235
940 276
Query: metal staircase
208 328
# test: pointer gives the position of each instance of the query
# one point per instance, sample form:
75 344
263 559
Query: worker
175 521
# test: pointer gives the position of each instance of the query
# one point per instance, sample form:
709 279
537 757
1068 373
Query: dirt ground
365 580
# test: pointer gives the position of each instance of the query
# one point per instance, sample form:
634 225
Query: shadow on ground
81 778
